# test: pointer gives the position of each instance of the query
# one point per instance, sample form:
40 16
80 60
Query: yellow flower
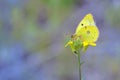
88 43
77 44
71 44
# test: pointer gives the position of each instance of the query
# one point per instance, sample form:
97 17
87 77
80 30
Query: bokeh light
33 34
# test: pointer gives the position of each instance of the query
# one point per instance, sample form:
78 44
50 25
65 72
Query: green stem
79 64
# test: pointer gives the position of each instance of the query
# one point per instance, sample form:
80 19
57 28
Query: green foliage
77 44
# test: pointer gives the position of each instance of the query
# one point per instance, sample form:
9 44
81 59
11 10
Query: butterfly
87 30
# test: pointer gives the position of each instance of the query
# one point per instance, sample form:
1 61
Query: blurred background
33 35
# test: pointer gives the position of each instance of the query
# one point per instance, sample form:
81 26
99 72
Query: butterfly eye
73 36
81 24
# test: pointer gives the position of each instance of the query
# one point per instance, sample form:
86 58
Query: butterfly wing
89 33
86 21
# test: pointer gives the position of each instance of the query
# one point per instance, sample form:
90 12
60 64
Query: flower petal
92 44
85 44
69 43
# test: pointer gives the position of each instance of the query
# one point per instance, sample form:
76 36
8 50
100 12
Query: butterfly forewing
86 21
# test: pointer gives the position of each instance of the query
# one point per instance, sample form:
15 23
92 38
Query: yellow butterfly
87 30
86 34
